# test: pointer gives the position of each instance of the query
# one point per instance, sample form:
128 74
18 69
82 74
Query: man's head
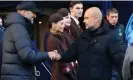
1 21
112 16
66 16
93 18
76 9
28 9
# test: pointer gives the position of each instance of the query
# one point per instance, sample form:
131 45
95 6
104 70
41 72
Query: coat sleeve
71 54
117 50
23 45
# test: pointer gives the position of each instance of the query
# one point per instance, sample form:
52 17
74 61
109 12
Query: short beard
31 20
91 28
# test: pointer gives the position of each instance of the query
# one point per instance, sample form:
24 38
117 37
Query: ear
70 9
107 16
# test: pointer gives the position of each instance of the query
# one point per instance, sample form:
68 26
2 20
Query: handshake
54 55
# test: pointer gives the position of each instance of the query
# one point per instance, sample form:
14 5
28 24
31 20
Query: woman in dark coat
60 71
68 36
67 21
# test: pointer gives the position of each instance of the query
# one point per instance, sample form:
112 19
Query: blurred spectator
76 11
112 24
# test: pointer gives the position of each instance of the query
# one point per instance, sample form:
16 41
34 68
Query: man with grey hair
19 56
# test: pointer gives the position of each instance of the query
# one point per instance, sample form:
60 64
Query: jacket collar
76 20
87 34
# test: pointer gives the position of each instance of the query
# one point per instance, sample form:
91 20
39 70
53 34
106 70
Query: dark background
125 7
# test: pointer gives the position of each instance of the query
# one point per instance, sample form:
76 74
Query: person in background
67 21
19 56
67 35
112 24
76 11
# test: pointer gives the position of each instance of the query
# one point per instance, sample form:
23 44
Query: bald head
93 17
94 11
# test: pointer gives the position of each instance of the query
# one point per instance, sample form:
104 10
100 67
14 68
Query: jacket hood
13 18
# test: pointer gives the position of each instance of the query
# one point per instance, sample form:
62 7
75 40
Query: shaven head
93 18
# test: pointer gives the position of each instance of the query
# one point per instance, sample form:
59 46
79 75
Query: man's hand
54 55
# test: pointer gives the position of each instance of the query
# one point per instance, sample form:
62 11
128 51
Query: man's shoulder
16 28
16 25
115 36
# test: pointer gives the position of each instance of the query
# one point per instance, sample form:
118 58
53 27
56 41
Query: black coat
96 51
119 31
18 55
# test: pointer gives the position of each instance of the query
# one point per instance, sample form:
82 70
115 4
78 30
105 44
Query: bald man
95 50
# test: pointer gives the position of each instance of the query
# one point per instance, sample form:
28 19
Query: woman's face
59 26
67 20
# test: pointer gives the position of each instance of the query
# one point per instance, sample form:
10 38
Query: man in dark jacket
111 21
19 57
96 50
112 24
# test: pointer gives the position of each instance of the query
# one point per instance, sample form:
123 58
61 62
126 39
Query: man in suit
76 10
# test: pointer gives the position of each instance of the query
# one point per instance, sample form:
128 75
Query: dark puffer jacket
119 32
96 51
118 29
18 55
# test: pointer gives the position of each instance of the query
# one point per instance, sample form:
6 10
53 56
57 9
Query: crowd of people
100 52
